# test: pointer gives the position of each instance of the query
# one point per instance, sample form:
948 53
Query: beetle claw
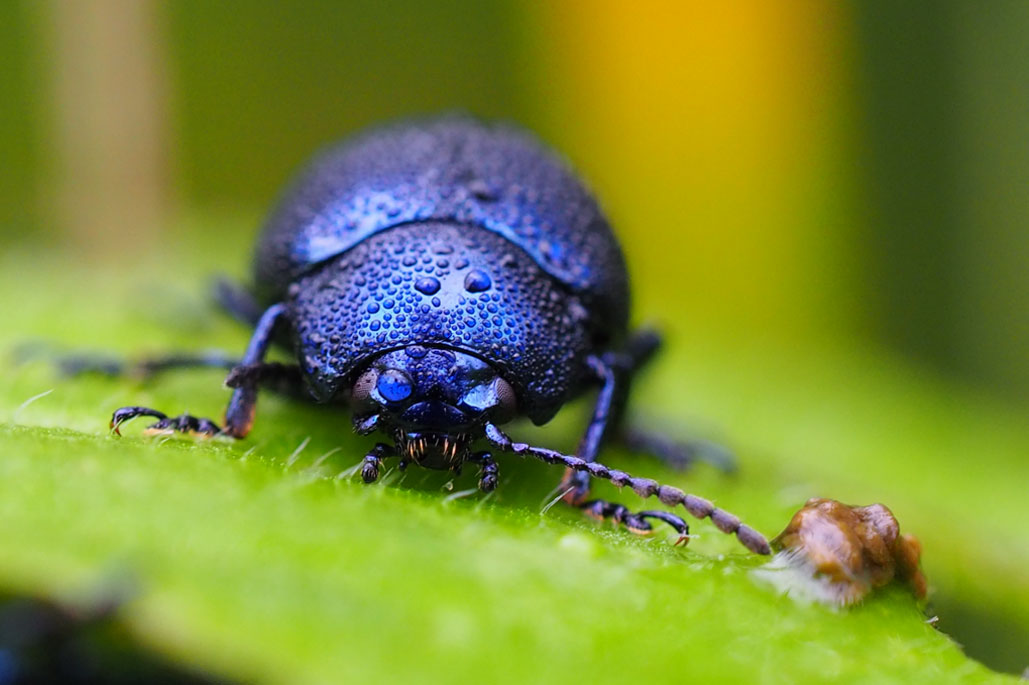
488 482
370 470
373 462
184 423
603 510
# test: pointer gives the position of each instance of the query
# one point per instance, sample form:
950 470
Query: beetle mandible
442 277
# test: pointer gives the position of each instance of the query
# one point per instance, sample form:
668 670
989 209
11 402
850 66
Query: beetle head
434 401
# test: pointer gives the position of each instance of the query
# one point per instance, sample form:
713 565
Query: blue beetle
443 277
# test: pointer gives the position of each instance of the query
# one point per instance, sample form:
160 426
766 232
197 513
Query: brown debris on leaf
846 551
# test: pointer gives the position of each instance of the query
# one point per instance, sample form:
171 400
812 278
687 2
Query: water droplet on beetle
427 286
477 281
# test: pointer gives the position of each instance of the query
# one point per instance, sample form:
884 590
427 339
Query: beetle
442 277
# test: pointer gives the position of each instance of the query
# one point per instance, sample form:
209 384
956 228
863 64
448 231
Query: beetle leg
488 479
237 301
615 371
283 379
373 461
680 455
184 423
77 364
613 374
601 510
576 484
239 416
644 487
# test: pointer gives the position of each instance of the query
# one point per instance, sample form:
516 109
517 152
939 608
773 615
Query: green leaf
257 560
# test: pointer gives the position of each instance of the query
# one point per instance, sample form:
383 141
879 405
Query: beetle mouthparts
433 450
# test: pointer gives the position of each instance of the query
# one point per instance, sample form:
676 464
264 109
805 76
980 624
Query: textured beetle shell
453 169
443 284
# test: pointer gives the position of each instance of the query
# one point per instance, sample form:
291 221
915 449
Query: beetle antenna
644 487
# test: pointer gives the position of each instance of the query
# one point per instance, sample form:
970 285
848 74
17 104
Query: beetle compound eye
495 397
507 404
394 386
363 386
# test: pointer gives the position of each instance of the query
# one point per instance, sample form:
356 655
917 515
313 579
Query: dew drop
477 281
427 285
415 351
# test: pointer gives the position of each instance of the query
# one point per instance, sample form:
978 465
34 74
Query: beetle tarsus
184 423
488 478
603 510
124 414
370 470
373 461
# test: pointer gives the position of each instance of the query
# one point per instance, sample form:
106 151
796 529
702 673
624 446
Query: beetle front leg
488 479
603 510
183 423
607 410
239 416
644 487
373 461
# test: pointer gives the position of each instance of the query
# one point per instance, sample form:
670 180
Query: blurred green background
847 179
